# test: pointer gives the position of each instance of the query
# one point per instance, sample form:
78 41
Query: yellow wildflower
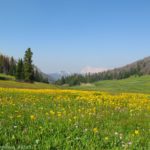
46 114
18 116
95 130
106 138
136 132
75 117
32 117
59 114
52 112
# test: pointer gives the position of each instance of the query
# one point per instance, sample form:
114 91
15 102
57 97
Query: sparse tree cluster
39 76
23 69
7 65
75 79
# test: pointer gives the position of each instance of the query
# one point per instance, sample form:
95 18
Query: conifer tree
28 67
12 70
20 70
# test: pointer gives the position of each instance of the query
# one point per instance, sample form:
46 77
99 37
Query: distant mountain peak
89 69
58 75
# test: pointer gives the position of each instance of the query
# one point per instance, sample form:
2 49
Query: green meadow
132 84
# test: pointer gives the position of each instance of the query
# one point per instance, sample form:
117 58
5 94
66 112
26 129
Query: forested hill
139 68
13 67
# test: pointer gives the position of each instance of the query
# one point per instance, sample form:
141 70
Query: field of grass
45 117
7 81
6 77
23 85
72 119
132 84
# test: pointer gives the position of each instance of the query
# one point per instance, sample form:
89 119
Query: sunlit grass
23 85
6 77
132 84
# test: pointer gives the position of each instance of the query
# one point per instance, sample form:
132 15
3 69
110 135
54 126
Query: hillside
138 68
7 81
6 77
132 84
23 85
14 67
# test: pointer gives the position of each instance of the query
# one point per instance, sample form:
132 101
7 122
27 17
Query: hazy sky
73 34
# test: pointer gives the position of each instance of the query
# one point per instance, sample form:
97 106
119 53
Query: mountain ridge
139 68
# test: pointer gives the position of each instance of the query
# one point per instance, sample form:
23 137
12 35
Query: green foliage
12 66
39 77
28 66
6 77
20 70
72 80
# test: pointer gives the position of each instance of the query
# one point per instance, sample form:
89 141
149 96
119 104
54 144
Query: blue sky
72 34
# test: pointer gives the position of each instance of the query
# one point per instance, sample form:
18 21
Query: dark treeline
23 69
71 80
7 65
138 68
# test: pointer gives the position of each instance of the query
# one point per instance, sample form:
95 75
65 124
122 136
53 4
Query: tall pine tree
20 70
28 67
12 70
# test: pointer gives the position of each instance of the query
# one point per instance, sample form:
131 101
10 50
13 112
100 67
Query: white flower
130 143
37 141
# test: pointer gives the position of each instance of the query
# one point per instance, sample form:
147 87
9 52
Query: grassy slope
10 82
6 77
132 84
14 84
